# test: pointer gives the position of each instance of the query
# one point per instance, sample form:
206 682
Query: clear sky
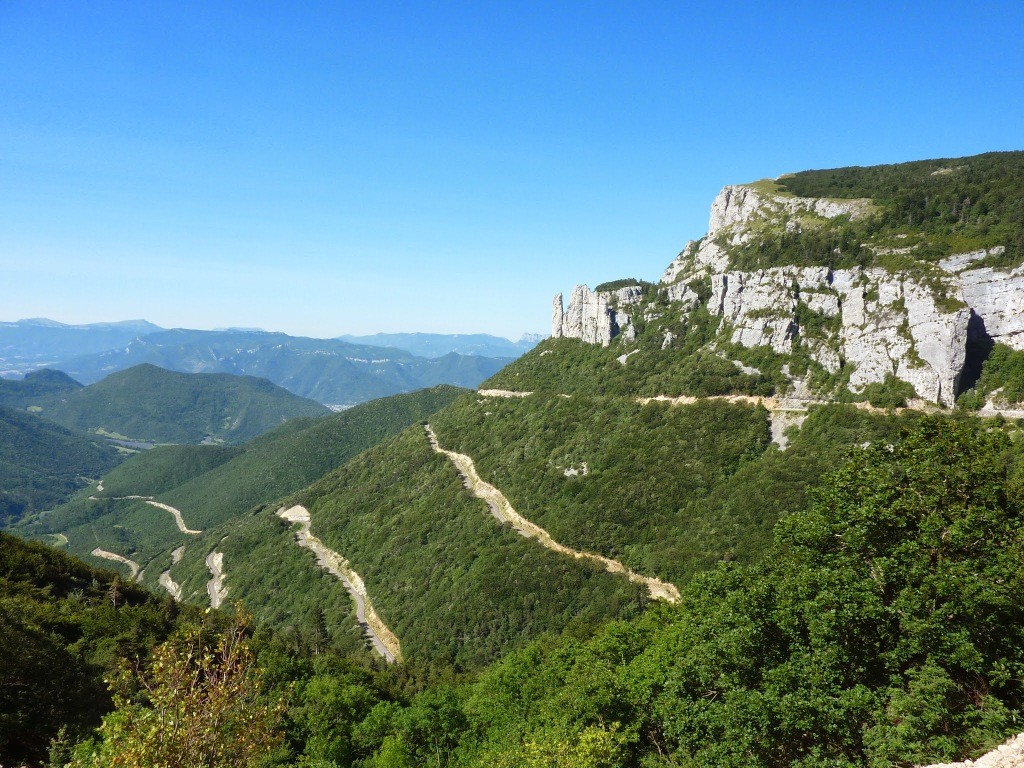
349 168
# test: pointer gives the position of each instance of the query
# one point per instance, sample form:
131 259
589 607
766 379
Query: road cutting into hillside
118 559
165 580
503 511
215 587
381 637
785 412
178 519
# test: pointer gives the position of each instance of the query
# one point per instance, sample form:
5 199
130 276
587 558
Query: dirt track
502 509
383 639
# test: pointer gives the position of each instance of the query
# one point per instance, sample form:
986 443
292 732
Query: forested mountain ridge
156 405
43 464
439 344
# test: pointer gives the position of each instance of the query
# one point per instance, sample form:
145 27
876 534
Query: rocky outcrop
997 298
877 323
589 317
740 205
1007 755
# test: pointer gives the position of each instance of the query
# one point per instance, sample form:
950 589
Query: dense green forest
64 626
157 405
935 207
883 627
43 464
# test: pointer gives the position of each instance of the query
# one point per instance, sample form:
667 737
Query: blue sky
349 168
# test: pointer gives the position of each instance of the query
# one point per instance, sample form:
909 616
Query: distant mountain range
26 345
338 372
326 370
438 344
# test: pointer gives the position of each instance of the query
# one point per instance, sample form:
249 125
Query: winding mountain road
215 587
384 641
178 519
502 510
165 579
118 559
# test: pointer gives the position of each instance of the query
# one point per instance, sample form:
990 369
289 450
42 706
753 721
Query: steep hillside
326 370
452 584
65 627
26 345
43 464
877 631
156 405
901 283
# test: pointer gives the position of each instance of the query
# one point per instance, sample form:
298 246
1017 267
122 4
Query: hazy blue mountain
326 370
150 403
438 344
26 345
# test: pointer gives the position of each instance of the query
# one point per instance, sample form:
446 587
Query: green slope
211 485
669 490
879 630
64 626
453 584
157 405
42 464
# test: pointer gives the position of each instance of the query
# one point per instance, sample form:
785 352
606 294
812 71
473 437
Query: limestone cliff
869 323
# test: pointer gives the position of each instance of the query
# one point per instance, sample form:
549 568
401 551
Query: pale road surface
794 404
178 519
215 587
381 637
1007 755
177 516
165 579
117 559
786 412
502 509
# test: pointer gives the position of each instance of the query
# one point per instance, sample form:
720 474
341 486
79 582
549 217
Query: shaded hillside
157 405
42 464
64 626
326 370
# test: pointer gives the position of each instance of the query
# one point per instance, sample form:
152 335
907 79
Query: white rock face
741 204
588 317
997 297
